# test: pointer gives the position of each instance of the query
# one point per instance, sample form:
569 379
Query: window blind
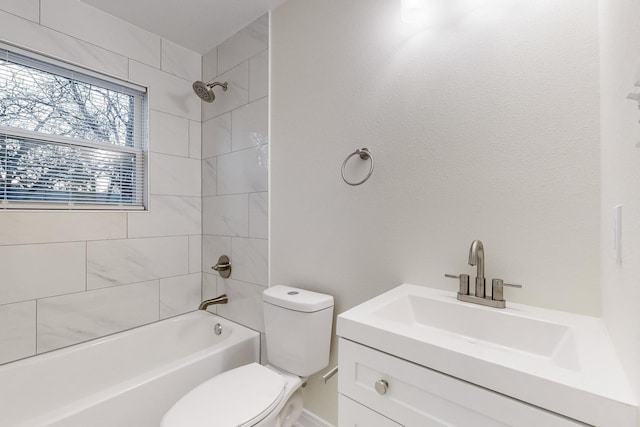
69 139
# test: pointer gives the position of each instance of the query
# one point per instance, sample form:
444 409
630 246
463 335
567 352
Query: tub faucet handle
223 266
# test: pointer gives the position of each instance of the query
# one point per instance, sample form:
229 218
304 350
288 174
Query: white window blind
69 140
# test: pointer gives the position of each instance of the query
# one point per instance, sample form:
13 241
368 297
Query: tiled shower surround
234 173
72 276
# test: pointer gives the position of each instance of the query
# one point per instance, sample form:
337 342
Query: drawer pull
382 386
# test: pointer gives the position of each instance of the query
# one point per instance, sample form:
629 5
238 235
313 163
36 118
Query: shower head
205 90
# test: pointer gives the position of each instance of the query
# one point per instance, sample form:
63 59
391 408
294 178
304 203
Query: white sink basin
559 361
554 342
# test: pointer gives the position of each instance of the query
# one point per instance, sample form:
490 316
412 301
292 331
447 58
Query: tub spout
222 299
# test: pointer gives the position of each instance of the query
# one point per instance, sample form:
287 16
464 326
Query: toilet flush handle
329 374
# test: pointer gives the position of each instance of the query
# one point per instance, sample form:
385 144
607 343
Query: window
69 139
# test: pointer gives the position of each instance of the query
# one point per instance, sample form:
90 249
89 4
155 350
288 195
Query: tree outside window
67 139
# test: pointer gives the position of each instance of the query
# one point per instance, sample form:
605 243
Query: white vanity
416 356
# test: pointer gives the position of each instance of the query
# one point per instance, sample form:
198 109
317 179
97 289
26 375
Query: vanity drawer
420 397
353 414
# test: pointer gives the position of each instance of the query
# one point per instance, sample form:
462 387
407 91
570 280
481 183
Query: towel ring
364 154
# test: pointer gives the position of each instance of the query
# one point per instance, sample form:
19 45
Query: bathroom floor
307 420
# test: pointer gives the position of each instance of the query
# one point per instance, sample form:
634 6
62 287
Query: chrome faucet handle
497 289
223 267
464 282
511 285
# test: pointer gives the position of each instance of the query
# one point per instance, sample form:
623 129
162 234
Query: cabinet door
352 414
415 396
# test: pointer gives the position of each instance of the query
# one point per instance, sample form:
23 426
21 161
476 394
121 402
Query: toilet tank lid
297 299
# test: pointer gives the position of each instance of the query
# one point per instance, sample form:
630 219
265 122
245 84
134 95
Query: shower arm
212 84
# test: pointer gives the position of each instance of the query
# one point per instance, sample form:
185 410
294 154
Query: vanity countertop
559 361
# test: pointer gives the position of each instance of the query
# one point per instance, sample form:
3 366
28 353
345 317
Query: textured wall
234 173
68 277
486 127
620 69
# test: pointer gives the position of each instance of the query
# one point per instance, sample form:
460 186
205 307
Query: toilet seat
240 397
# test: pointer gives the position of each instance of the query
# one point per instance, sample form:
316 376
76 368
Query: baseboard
308 419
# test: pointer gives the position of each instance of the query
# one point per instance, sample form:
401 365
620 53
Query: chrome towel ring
364 154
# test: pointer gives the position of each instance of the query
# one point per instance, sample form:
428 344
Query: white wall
484 128
68 277
234 173
620 69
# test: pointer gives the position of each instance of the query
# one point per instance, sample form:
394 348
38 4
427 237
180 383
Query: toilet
298 334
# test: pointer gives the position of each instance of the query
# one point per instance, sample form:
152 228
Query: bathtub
129 379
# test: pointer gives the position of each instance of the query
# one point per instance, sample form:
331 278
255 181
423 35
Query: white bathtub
129 379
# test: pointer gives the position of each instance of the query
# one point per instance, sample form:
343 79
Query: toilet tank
298 329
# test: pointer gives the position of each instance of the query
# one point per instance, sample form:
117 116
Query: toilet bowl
298 334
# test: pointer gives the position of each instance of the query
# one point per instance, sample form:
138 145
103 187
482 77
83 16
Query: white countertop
559 361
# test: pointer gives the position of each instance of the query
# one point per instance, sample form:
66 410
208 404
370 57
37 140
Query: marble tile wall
72 276
235 158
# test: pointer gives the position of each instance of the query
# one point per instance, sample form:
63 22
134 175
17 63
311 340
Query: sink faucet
476 257
222 299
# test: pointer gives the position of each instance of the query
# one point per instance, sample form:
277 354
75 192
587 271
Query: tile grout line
174 155
248 215
189 135
35 350
251 147
234 109
86 266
